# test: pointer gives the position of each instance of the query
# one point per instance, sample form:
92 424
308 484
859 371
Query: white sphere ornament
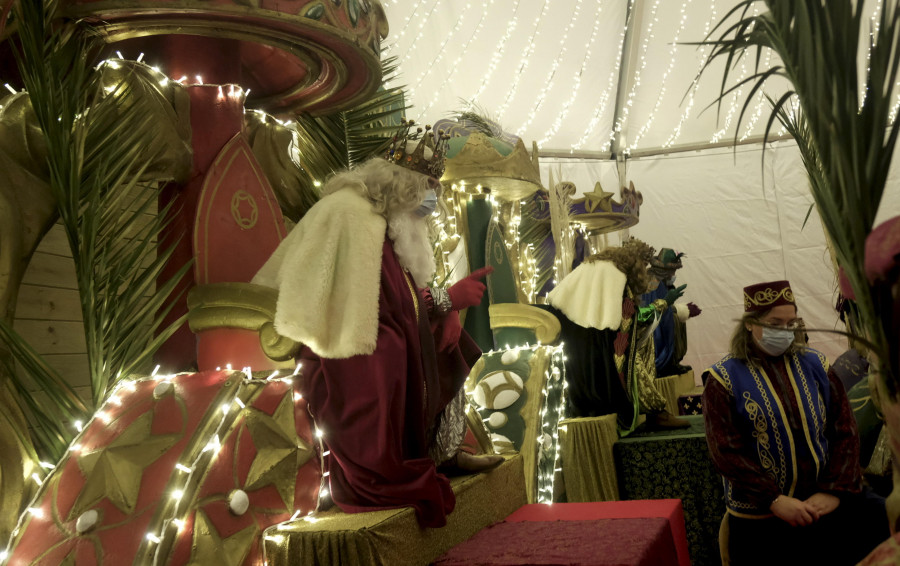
238 502
509 357
498 390
547 441
497 419
162 389
86 521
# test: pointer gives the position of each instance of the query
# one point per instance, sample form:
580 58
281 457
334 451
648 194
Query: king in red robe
384 357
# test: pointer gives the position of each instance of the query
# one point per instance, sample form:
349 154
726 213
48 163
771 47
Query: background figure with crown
384 357
611 364
670 335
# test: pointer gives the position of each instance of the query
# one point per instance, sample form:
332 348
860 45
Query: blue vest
764 414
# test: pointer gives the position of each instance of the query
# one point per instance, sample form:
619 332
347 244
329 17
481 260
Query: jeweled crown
416 160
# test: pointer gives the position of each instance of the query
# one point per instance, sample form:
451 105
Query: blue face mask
428 205
775 341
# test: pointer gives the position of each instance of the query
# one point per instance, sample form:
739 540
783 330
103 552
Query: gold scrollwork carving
240 305
244 209
767 297
515 315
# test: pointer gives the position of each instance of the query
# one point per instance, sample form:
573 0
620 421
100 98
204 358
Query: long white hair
395 193
391 188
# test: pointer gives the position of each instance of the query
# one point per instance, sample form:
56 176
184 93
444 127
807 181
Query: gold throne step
394 537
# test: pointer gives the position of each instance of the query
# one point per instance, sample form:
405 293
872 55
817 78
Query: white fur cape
328 275
591 295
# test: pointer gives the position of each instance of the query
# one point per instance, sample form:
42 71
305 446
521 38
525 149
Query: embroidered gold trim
766 297
778 441
817 432
723 376
761 434
779 469
412 290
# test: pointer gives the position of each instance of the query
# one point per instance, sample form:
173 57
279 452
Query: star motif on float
208 546
279 451
115 471
600 198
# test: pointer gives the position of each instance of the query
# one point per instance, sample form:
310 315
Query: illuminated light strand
576 80
735 96
411 48
75 446
204 459
896 107
498 54
604 97
441 50
551 75
523 62
695 83
761 102
875 22
400 35
673 52
553 411
456 63
622 120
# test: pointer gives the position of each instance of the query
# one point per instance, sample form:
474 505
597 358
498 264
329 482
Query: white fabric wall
738 225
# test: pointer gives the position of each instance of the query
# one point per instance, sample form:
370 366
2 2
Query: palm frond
846 143
100 146
327 144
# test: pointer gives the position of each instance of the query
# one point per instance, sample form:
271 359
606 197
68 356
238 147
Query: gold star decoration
115 471
208 547
600 198
279 451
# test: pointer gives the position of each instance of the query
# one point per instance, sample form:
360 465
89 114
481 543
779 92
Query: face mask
775 341
428 205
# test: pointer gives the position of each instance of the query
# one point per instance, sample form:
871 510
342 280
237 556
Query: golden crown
416 160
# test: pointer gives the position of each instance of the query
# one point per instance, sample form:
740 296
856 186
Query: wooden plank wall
48 310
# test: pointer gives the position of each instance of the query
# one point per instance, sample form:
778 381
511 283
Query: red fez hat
764 296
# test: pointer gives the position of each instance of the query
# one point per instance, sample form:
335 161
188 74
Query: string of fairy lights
524 62
664 83
573 90
455 66
603 100
186 475
576 78
552 408
695 83
499 51
441 50
648 35
548 82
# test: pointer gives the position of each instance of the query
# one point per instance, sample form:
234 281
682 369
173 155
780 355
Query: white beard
412 246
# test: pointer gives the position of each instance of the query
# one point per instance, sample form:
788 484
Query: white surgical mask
428 205
775 341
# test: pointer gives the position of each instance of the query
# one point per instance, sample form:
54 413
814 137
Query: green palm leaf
327 144
846 143
100 147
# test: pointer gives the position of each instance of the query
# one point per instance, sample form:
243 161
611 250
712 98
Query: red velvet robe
379 411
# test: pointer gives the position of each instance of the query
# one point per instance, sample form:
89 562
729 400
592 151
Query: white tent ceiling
549 70
566 74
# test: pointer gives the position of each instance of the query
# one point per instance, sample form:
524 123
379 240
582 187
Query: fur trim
328 275
591 295
682 311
